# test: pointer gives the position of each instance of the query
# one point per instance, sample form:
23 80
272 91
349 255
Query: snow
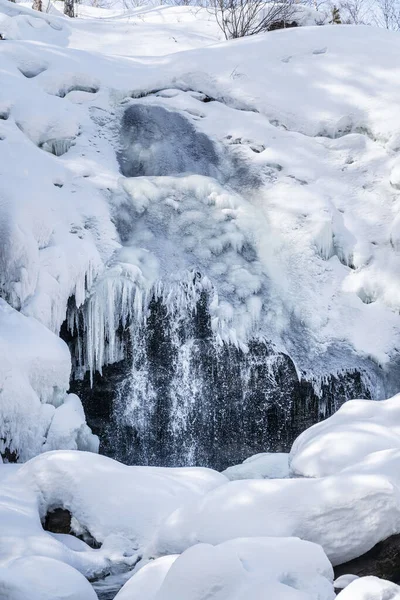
287 568
357 429
343 581
346 514
267 465
40 578
124 519
370 588
36 413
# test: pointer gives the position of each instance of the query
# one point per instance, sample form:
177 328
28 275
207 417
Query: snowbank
40 578
267 465
35 411
256 568
137 498
370 588
357 429
346 514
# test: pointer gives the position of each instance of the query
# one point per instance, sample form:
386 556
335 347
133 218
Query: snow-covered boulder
357 429
41 578
346 514
107 498
256 568
36 413
267 465
370 588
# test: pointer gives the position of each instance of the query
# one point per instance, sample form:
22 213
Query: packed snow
267 465
346 514
36 413
370 588
286 568
357 429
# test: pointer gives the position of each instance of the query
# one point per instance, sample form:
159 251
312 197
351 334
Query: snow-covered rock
41 578
346 514
267 465
284 568
358 428
121 507
370 588
36 413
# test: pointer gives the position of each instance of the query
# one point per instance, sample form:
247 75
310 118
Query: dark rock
383 561
58 521
282 24
216 409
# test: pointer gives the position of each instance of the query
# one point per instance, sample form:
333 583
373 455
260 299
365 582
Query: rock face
179 399
383 561
58 521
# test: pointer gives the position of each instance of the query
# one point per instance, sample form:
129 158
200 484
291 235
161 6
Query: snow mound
117 506
288 569
346 514
357 429
139 498
370 588
36 413
267 465
41 578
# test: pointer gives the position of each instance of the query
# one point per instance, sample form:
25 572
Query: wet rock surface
178 398
383 561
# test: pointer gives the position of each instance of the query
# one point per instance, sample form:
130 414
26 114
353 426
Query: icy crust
332 512
284 568
357 429
267 465
36 413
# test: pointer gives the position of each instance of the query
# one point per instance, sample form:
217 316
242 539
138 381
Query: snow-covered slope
260 175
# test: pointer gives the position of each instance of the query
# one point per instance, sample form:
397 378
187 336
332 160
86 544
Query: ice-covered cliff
213 228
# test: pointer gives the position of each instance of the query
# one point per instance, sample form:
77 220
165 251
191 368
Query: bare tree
388 14
239 18
69 8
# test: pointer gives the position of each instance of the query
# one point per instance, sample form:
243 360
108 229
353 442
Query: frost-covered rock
284 568
268 465
358 428
346 514
41 578
370 588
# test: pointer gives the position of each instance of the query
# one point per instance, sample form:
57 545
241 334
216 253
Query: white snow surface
267 465
118 505
256 568
300 245
36 413
41 578
370 588
357 429
346 514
